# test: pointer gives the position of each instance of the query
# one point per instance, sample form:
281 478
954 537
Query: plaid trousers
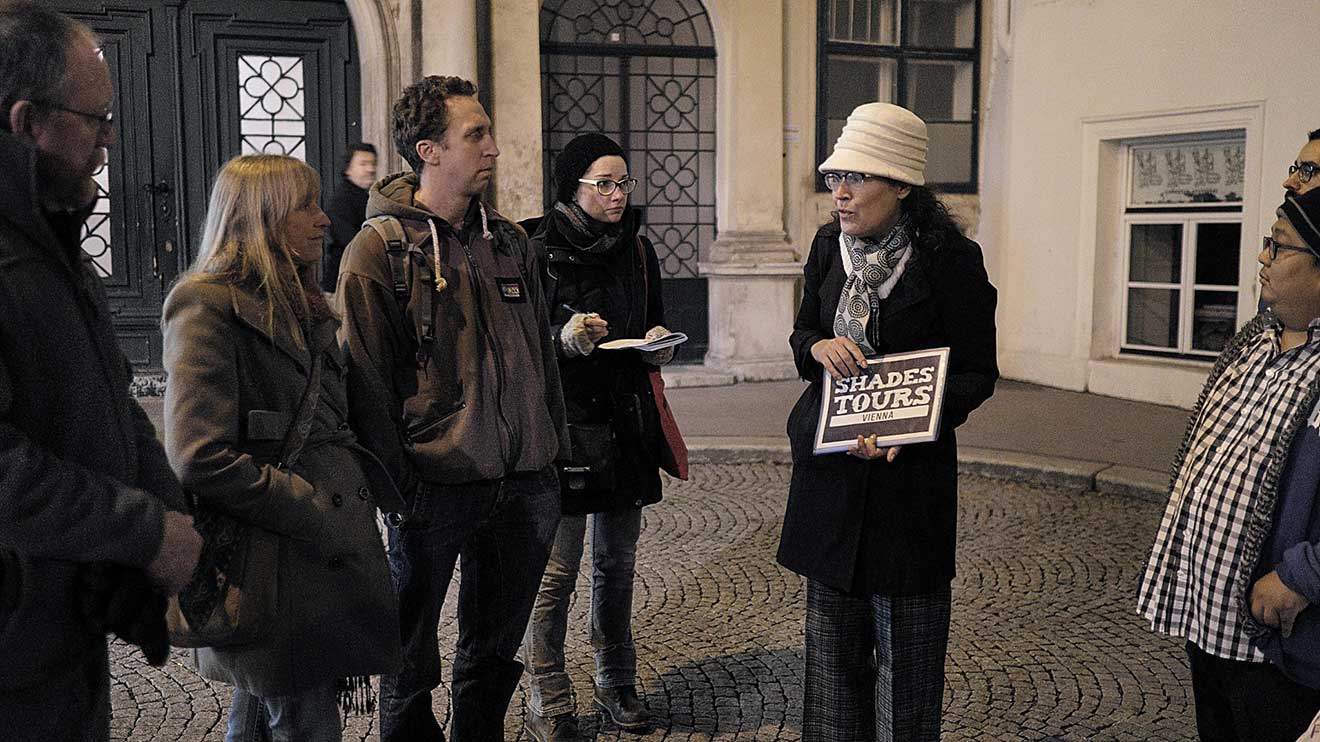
875 665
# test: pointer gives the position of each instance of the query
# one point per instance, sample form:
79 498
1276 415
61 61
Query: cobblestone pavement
1045 644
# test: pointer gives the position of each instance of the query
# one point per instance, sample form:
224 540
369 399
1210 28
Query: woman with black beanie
602 279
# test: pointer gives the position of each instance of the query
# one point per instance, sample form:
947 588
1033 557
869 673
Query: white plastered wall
1073 78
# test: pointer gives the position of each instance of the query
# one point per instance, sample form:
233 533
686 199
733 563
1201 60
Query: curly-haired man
453 383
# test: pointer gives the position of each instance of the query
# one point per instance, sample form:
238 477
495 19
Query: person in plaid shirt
1236 560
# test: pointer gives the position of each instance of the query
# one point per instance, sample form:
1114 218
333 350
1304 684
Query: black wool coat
82 477
872 527
614 286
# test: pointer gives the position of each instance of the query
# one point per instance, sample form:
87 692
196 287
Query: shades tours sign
897 398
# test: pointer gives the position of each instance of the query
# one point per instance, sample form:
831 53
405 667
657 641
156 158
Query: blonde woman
243 331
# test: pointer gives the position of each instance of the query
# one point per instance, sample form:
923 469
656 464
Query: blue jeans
310 716
613 554
503 530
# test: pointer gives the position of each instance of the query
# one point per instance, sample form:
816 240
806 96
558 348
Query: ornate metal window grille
681 23
96 228
643 73
272 105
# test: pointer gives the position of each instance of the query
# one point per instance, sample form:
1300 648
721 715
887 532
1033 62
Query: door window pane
1214 318
96 228
1217 250
271 105
854 81
940 90
1152 317
1156 253
863 21
944 23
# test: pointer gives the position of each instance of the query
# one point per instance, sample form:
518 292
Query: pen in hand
596 327
571 310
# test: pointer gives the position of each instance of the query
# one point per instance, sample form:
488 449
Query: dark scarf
587 234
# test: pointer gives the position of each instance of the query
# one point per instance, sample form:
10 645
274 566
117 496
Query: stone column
449 38
751 270
516 49
383 69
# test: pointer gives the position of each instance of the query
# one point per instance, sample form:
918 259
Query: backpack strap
403 257
390 231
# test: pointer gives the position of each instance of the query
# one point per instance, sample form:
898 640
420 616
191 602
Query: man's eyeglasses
832 180
100 119
1305 170
605 186
1273 246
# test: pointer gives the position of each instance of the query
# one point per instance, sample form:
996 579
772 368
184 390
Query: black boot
623 707
558 728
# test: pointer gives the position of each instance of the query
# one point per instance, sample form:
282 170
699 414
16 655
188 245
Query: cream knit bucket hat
881 139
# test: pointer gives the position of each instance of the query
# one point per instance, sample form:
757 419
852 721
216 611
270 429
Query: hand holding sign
840 356
867 449
889 402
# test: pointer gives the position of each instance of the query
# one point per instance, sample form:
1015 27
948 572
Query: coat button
343 426
335 563
338 500
364 493
637 503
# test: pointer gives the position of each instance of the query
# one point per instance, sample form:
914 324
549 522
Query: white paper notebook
660 343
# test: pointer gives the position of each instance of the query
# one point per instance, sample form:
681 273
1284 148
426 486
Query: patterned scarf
870 264
583 232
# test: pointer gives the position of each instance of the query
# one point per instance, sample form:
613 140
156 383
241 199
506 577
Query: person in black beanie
348 208
602 279
1236 561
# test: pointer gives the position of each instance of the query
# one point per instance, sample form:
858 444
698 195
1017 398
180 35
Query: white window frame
1188 215
1186 286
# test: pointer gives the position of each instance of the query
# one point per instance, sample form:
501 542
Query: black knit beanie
576 158
1303 211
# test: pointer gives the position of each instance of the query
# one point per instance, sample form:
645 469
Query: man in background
348 207
1302 173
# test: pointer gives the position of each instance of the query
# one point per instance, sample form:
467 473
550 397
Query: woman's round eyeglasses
832 180
605 186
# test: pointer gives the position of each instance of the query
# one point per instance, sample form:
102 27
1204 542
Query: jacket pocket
802 424
426 428
267 425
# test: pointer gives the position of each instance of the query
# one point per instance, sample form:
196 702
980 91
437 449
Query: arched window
643 73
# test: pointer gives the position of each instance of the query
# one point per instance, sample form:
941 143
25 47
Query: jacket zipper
506 429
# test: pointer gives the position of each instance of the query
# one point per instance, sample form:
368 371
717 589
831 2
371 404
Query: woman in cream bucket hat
873 529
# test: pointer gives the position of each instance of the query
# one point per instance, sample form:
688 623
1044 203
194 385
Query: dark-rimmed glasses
105 119
605 186
1305 170
832 180
1273 246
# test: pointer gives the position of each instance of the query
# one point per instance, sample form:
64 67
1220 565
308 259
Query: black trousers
1240 701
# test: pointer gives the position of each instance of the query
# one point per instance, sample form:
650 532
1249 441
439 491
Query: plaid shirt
1187 590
